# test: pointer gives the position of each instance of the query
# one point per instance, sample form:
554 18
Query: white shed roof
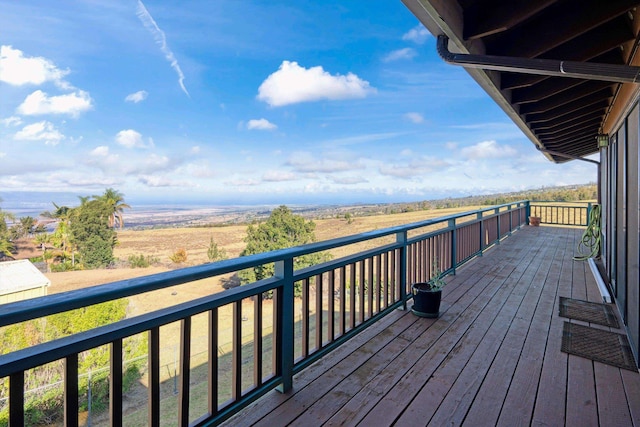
16 276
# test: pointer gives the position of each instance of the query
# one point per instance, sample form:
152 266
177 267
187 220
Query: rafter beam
605 89
489 18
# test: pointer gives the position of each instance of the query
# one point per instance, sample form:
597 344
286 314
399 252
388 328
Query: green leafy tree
92 234
114 205
6 247
282 230
214 253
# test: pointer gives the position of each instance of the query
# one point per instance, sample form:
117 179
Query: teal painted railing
334 301
556 213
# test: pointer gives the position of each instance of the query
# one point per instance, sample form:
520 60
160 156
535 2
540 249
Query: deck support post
285 331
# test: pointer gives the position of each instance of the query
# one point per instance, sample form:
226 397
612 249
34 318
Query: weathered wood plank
403 393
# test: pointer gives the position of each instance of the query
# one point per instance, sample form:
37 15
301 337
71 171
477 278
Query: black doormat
591 312
597 344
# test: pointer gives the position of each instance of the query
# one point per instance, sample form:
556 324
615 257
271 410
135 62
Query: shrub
179 256
214 253
140 261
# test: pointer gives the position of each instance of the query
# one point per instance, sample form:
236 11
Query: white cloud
161 39
278 176
309 163
244 182
487 149
40 103
136 97
418 34
414 117
101 151
18 70
416 167
260 124
2 154
292 84
11 121
132 139
349 180
451 145
405 53
40 131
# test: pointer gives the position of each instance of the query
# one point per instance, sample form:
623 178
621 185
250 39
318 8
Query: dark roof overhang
585 51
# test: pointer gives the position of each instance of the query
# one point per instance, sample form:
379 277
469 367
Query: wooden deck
492 358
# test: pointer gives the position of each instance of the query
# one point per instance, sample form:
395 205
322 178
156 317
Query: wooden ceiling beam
496 16
589 47
568 96
575 124
574 136
568 120
589 103
552 28
542 90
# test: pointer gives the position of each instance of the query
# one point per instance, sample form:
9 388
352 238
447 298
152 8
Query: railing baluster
361 288
385 291
71 390
115 385
185 368
154 377
371 287
378 281
16 399
331 306
401 238
343 300
305 317
257 341
318 312
236 361
213 360
352 295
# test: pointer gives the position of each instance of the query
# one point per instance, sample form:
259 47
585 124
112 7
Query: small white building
21 280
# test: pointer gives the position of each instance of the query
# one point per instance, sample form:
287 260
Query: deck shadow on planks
599 345
591 312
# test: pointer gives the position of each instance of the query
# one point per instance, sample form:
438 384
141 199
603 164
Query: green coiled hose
589 245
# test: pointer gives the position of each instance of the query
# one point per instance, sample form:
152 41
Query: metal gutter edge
546 67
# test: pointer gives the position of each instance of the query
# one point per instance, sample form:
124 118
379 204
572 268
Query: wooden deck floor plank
391 407
404 390
631 385
489 400
535 313
453 410
327 375
582 409
374 391
395 322
550 406
320 391
612 402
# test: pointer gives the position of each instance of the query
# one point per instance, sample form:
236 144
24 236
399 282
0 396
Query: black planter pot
426 303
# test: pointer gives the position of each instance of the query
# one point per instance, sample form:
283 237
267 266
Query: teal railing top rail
66 301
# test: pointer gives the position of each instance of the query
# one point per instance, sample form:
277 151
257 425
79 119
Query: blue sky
236 101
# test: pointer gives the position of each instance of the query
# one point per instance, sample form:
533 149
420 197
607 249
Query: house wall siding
621 220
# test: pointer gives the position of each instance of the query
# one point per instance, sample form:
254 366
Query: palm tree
6 247
114 200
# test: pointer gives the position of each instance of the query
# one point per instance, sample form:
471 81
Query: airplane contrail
161 39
